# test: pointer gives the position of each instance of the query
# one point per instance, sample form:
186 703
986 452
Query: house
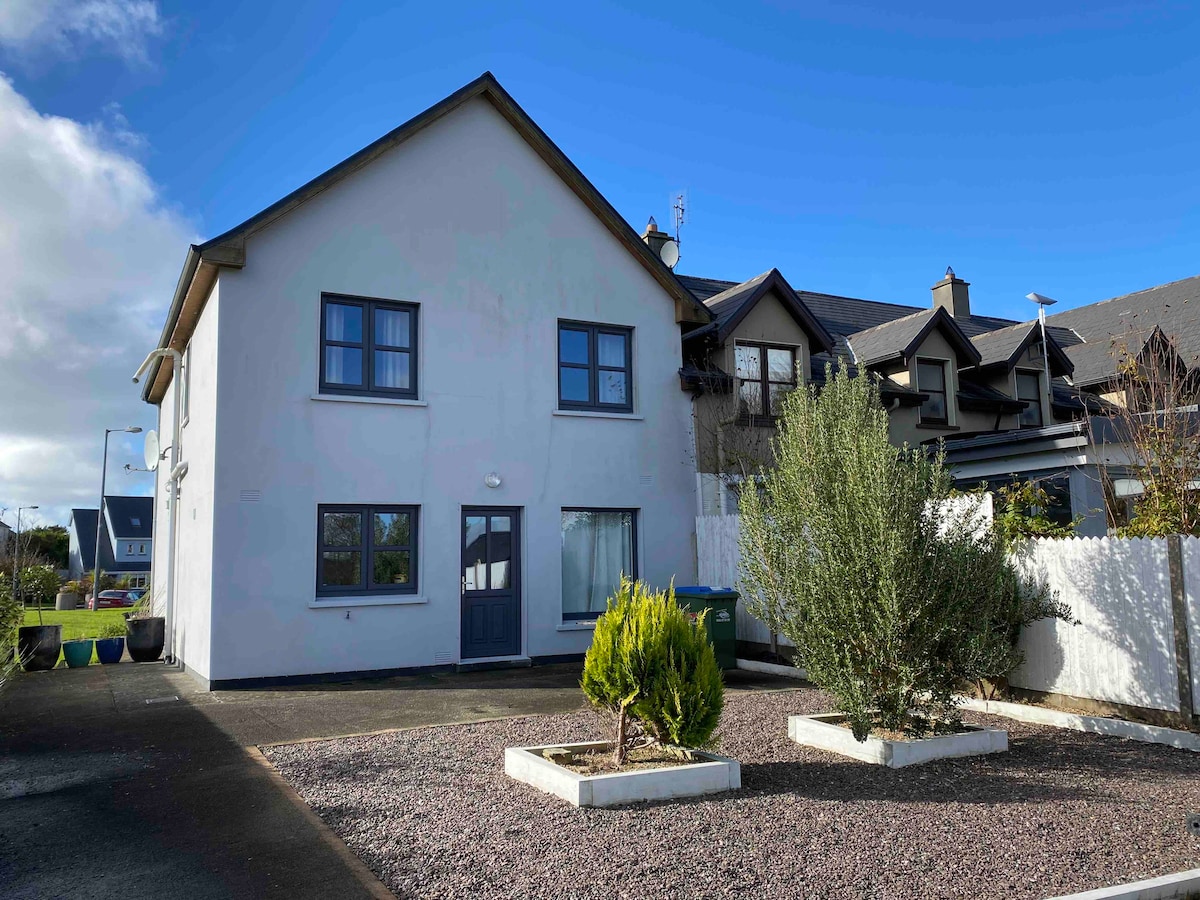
126 539
432 413
976 383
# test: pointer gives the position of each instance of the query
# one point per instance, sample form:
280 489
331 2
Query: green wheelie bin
721 620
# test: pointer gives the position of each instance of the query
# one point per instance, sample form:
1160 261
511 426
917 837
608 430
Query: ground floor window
598 545
1057 486
366 549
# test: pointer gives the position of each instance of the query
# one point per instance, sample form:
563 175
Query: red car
112 600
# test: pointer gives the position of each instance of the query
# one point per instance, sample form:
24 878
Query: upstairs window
765 376
1029 389
931 380
595 367
368 346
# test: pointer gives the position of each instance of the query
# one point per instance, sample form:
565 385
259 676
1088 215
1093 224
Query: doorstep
494 662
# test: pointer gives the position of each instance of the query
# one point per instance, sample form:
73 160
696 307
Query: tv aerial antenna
677 212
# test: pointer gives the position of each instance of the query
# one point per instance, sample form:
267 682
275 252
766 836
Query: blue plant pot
78 653
110 650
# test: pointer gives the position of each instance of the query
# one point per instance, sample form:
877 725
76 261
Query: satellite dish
669 253
150 450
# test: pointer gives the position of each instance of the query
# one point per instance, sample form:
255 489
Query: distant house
126 539
6 535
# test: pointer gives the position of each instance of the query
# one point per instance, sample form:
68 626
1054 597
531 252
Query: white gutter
178 470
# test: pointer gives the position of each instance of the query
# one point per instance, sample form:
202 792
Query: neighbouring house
6 535
432 413
977 383
126 539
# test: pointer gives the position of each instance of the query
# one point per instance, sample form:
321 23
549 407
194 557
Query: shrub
893 594
112 629
651 666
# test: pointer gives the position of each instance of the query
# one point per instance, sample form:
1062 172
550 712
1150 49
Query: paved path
129 782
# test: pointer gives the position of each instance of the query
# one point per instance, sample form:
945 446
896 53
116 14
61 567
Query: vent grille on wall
645 480
443 656
250 496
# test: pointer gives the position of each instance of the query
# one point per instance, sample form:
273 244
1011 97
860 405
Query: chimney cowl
952 295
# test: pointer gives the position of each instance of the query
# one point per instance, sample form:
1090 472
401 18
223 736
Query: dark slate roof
733 304
900 338
83 522
131 517
1002 347
1173 307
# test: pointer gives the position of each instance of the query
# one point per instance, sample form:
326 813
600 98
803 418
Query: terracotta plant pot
38 646
145 638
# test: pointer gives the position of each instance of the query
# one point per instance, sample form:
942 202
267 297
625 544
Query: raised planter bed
766 668
825 732
711 775
1042 715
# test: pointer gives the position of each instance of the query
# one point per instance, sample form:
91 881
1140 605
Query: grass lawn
76 623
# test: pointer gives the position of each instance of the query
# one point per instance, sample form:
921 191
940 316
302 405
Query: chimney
655 238
951 295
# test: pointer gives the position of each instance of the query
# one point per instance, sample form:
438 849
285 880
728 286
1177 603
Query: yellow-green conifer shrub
651 663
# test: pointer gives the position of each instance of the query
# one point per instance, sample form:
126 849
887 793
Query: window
597 546
765 376
931 380
142 549
135 521
366 549
129 549
595 367
368 346
1029 389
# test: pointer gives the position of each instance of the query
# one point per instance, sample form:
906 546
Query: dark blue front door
491 590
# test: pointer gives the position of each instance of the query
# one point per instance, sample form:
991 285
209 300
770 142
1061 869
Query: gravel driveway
432 813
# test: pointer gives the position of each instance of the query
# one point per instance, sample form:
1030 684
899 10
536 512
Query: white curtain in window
597 546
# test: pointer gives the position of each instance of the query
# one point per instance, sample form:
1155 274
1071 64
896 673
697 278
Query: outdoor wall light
492 480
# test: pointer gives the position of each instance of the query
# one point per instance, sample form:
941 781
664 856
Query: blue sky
858 148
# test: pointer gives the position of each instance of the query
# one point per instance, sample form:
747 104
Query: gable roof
1002 347
1128 320
83 524
900 338
229 249
730 306
130 517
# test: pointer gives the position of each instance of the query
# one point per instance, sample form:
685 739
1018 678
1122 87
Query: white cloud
123 27
90 256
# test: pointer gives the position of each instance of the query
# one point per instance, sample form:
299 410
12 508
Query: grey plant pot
144 638
38 646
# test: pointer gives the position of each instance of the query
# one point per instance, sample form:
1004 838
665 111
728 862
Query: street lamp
1042 303
132 429
17 555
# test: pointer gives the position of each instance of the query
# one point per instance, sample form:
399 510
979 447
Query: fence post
1183 656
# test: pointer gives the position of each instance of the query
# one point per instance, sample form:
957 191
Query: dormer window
1029 389
765 376
931 380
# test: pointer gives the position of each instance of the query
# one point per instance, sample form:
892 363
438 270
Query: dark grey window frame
593 367
367 547
922 418
633 554
1035 402
766 417
368 346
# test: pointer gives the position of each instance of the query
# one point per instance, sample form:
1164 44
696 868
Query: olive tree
859 552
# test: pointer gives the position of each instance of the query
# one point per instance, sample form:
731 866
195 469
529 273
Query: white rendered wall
194 537
467 221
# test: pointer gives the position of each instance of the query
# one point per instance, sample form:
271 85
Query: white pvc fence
1123 650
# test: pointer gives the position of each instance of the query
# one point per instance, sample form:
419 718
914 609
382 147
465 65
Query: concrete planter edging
753 665
1040 715
715 774
1166 887
823 732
